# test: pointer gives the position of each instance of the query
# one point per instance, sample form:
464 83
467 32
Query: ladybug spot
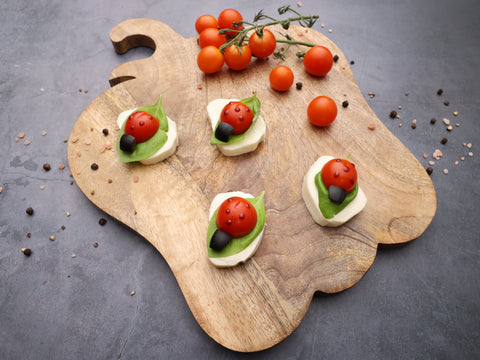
225 112
227 211
229 199
237 109
346 169
338 160
337 174
142 123
242 216
240 118
150 117
229 222
132 127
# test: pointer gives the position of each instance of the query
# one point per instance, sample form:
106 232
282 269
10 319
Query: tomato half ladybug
141 125
341 173
236 216
237 114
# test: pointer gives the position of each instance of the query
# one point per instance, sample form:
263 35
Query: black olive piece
219 240
128 143
336 194
223 132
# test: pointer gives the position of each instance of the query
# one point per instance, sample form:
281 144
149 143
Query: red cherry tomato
210 60
236 216
281 78
211 36
205 22
339 172
141 125
228 18
318 61
238 115
322 111
262 45
238 57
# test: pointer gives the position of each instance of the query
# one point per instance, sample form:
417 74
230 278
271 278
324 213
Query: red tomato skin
237 114
226 19
141 125
211 36
238 58
281 78
340 172
322 111
264 46
204 22
236 216
318 61
210 60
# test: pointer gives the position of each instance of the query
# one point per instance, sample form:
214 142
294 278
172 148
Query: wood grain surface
257 304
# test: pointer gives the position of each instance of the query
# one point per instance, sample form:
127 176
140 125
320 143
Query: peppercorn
345 103
102 221
94 166
27 252
414 126
105 132
429 170
446 102
46 166
29 211
440 91
393 114
335 58
433 121
299 85
444 141
352 62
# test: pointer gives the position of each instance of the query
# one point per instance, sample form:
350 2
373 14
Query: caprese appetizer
237 125
147 134
331 191
237 222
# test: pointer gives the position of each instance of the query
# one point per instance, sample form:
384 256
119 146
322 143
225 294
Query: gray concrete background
417 301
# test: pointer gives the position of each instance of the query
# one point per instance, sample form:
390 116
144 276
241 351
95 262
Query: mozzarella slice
166 150
310 196
248 252
253 136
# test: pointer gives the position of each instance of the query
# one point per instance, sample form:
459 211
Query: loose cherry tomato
141 125
238 115
205 22
211 36
236 216
210 59
340 172
322 111
281 78
262 45
227 20
238 57
318 61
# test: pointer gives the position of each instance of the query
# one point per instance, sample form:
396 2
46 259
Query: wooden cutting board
258 304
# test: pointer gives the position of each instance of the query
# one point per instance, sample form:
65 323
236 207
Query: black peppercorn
94 166
429 170
105 132
446 102
345 104
433 121
335 58
299 85
46 166
444 141
27 252
440 91
352 62
102 221
29 211
414 126
393 114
